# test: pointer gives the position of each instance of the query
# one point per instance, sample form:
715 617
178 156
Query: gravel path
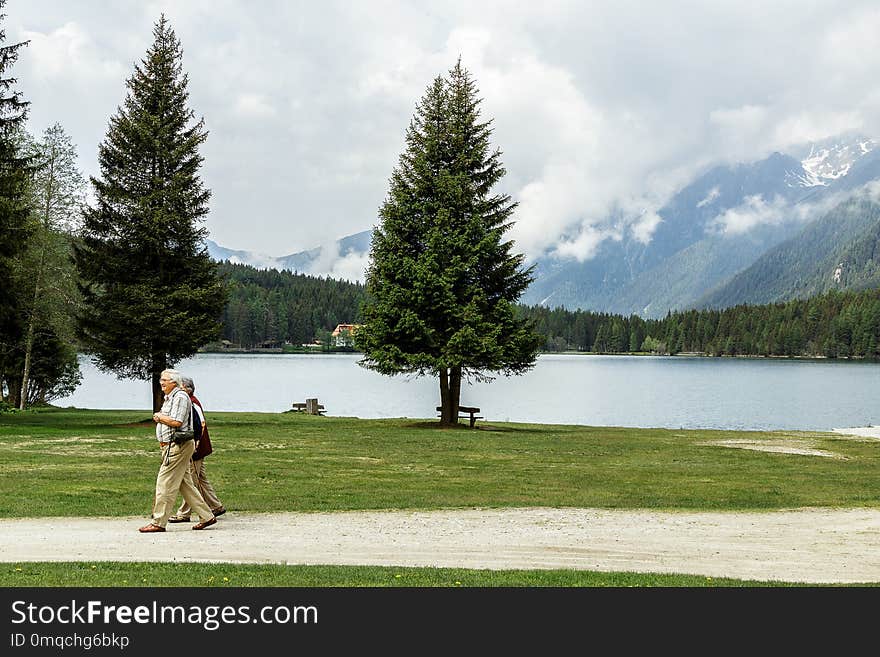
803 545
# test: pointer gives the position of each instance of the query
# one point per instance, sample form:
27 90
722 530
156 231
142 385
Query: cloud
254 106
753 212
714 193
872 190
256 260
757 211
569 175
746 119
352 267
804 127
737 129
848 44
68 51
583 246
643 228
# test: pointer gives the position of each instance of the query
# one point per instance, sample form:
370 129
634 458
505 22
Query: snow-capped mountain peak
825 162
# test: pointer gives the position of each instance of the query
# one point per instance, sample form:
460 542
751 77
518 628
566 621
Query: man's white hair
174 375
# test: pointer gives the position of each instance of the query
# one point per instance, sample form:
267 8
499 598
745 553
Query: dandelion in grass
225 579
398 576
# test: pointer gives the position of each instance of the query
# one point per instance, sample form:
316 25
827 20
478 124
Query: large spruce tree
151 293
15 223
442 282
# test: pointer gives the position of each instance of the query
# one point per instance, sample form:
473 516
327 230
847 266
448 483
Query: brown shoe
178 519
205 523
219 512
148 529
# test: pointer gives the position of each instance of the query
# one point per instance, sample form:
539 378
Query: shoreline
683 354
866 431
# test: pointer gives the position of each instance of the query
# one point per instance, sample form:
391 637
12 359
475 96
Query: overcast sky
597 106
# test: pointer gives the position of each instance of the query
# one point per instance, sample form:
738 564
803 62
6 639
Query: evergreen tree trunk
445 416
13 387
160 363
454 392
450 393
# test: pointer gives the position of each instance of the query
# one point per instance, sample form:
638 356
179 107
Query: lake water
631 391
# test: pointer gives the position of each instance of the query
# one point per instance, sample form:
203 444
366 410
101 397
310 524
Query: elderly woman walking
175 474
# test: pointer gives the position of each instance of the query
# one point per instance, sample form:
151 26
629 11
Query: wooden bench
310 406
465 411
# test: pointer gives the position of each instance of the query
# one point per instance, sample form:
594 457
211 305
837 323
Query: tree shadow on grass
479 428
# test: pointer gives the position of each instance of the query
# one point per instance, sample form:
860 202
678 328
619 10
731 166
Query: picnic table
465 411
311 406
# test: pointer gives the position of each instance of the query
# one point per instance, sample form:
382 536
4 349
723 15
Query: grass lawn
60 462
110 573
69 462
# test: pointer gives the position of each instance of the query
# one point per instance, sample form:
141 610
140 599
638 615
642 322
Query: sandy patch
803 545
786 446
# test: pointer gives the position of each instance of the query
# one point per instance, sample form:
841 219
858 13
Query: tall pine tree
15 225
151 293
442 282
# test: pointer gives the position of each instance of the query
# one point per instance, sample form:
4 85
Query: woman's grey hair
188 383
174 375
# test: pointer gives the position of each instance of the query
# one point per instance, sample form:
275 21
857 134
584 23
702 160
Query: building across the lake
343 335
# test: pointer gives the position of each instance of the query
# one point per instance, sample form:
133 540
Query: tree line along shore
284 310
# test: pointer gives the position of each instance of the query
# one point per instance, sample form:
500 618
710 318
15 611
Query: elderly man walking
199 471
174 473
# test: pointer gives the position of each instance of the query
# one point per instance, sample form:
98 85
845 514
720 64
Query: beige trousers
205 488
175 476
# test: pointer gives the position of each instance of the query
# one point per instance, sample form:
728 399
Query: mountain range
790 225
304 262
